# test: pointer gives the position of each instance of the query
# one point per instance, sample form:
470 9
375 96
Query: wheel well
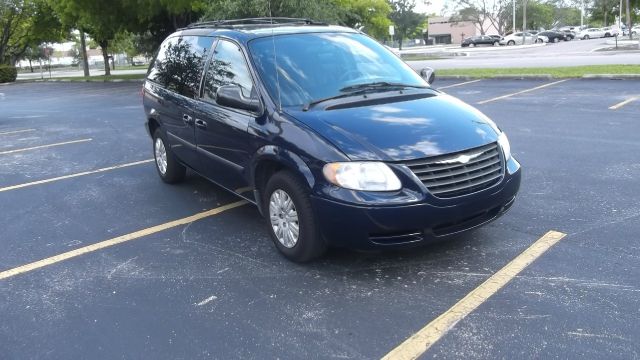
153 125
264 171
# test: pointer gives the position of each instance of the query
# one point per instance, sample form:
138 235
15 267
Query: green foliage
405 19
25 24
322 10
371 16
8 73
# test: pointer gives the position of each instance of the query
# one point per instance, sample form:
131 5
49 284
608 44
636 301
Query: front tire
168 167
292 225
511 43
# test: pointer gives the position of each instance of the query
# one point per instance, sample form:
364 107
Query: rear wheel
168 167
292 226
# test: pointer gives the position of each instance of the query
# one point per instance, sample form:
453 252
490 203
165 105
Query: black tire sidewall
310 244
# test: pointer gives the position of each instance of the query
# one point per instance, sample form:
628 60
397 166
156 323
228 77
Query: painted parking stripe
44 146
623 103
115 241
521 92
420 342
459 84
84 173
16 131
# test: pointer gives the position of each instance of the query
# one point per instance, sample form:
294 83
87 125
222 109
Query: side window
227 66
179 63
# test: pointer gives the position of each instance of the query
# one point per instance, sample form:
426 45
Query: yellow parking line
417 344
521 92
16 131
459 84
115 241
38 182
43 146
623 103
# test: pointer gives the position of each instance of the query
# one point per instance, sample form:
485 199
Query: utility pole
524 20
513 28
581 14
629 20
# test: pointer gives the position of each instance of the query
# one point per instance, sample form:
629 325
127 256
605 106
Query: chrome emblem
462 159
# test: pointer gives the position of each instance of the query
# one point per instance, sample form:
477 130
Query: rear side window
227 66
179 63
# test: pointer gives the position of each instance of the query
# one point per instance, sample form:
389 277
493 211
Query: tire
496 43
511 43
174 172
586 37
309 243
555 40
472 45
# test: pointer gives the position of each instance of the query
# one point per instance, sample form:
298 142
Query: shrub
8 73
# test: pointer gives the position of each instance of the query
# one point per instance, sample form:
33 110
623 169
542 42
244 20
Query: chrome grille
460 173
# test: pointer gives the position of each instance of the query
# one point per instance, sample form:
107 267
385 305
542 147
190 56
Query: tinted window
227 66
316 66
178 65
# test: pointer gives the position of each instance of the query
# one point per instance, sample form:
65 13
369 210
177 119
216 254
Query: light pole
513 27
524 20
581 14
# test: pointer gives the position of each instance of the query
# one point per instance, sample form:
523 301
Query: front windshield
315 66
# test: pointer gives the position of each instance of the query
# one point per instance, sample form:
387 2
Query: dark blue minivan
335 139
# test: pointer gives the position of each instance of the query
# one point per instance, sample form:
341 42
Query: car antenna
275 59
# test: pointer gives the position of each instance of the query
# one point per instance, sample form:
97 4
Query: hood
401 130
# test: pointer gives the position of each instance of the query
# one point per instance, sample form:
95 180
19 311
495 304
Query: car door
224 145
178 69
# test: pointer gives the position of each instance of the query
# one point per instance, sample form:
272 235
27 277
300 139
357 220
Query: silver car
517 39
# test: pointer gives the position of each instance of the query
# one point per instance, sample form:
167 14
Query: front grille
447 176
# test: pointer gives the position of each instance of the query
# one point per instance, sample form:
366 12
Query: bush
8 73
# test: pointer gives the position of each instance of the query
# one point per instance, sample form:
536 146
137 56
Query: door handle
201 124
187 119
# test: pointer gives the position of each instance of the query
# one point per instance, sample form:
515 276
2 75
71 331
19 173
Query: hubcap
284 218
161 156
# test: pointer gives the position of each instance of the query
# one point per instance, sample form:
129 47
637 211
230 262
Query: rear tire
289 211
168 167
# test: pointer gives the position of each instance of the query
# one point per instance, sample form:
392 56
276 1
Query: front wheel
511 42
168 167
292 225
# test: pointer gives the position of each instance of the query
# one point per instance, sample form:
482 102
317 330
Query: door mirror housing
231 96
428 74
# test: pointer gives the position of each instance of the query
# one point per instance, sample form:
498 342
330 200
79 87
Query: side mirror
231 96
428 74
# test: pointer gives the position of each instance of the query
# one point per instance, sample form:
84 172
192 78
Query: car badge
463 159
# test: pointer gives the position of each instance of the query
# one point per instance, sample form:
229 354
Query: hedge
8 73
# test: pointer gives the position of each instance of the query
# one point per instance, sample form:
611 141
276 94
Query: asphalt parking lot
75 172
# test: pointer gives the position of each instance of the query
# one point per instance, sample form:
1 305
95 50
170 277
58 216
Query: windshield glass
320 65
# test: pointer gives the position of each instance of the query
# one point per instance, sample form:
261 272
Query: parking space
213 286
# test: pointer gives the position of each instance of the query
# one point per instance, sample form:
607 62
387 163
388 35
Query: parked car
569 35
553 36
496 37
591 33
336 140
479 40
611 31
517 39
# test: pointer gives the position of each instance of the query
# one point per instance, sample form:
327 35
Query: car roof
248 29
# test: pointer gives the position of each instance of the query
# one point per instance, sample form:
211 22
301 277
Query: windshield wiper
380 85
359 89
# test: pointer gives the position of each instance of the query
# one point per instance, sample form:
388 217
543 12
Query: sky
431 6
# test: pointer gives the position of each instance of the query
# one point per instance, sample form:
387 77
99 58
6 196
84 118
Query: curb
540 77
80 81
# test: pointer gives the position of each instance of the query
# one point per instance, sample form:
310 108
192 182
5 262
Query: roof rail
261 21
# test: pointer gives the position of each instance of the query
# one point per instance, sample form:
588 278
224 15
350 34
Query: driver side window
227 66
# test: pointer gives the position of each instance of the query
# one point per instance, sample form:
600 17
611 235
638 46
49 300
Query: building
444 31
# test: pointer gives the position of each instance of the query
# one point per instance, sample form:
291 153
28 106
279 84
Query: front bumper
366 227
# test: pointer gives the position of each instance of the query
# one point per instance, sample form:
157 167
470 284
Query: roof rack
252 22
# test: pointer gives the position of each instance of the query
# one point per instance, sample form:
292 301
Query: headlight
504 144
367 176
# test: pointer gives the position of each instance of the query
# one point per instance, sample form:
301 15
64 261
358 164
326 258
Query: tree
321 10
26 24
370 16
405 19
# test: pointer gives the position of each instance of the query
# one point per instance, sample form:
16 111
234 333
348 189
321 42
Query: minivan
333 137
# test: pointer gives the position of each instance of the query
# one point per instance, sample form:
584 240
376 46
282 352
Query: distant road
570 53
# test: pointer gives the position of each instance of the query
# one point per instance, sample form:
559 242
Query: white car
516 39
611 31
591 33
